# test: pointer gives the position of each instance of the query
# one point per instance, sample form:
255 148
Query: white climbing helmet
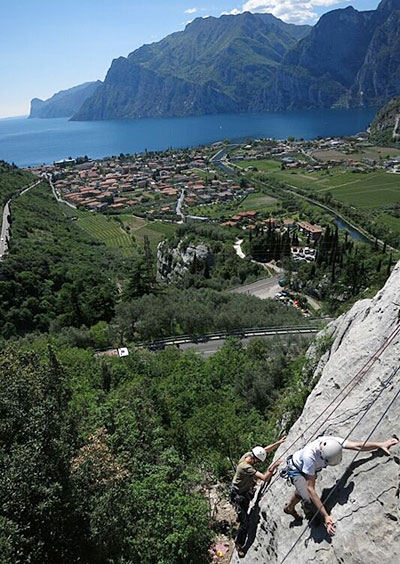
331 451
259 453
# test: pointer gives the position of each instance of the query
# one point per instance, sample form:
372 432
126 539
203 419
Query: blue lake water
29 142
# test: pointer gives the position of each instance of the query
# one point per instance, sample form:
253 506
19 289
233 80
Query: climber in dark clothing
243 485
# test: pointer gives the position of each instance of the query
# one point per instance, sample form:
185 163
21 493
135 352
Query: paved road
211 346
56 194
30 187
265 288
268 288
4 230
5 226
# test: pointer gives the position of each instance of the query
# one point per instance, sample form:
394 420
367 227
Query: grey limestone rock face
174 262
357 396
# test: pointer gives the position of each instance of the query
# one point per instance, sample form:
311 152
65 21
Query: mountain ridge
256 62
187 73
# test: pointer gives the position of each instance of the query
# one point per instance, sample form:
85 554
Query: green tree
139 282
36 441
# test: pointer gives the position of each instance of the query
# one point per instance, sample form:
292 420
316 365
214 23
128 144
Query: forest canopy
105 460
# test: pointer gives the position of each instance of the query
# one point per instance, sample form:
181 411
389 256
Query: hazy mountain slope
350 58
379 77
320 69
256 62
64 103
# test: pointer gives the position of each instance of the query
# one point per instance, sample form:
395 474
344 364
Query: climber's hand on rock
330 526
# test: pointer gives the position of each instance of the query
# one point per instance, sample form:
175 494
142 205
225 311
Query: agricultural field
296 177
371 190
223 211
139 227
367 190
391 222
375 152
259 202
107 230
269 165
358 154
125 232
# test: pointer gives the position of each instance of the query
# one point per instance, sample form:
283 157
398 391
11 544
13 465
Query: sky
52 45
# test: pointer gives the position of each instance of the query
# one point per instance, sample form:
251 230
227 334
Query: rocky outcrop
174 262
64 103
358 394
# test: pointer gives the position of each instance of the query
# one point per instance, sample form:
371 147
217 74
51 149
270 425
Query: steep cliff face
214 65
358 394
350 58
320 69
379 77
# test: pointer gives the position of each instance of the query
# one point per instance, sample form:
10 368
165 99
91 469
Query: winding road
5 224
5 230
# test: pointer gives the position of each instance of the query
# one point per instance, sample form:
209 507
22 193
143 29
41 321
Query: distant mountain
63 104
215 65
320 70
385 129
349 59
256 62
378 79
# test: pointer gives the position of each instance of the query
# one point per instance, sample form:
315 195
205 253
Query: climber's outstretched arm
371 445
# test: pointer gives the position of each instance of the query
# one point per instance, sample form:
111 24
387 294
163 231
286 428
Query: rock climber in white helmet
303 466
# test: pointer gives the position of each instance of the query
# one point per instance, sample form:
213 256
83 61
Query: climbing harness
291 469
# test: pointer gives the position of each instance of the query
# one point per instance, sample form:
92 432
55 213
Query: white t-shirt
309 460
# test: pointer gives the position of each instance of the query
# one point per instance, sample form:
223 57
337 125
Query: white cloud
293 11
191 11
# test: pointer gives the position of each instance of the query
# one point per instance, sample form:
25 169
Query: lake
30 142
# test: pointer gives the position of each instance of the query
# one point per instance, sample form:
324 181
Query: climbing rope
345 392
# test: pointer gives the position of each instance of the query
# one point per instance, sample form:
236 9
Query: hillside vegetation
57 276
109 460
12 179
